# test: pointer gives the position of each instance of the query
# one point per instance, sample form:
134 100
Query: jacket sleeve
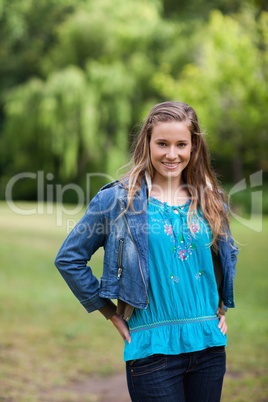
86 237
228 256
226 259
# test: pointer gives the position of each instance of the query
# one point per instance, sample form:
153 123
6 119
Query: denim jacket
124 237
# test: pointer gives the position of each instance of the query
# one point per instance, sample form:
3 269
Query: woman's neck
173 192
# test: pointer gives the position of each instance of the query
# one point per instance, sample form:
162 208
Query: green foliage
227 85
79 74
66 129
26 32
199 8
97 72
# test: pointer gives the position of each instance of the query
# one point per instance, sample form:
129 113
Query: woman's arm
86 237
121 327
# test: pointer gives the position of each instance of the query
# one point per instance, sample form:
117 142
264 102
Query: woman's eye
162 144
181 145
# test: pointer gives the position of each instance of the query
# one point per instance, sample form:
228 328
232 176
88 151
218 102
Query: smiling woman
162 224
170 151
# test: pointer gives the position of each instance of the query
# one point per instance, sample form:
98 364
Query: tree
227 85
97 67
98 80
27 31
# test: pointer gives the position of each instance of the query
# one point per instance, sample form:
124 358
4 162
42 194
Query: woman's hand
222 324
121 327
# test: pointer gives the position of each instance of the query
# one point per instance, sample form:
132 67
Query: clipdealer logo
47 192
254 222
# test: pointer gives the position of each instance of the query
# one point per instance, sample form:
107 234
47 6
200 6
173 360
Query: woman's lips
171 165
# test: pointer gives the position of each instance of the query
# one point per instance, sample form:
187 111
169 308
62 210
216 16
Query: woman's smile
170 150
171 165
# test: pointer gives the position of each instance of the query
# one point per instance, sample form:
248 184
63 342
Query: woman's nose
171 154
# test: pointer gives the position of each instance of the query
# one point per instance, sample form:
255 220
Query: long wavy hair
198 176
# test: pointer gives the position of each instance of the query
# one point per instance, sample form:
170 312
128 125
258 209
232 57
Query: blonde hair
198 175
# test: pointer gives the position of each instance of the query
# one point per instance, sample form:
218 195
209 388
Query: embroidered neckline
164 204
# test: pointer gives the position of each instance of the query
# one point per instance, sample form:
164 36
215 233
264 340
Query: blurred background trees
78 75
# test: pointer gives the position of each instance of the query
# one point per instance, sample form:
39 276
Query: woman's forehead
171 129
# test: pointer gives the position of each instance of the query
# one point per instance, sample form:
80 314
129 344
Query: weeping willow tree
92 69
77 120
67 124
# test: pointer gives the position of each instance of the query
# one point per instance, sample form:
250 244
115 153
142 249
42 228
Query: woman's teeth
171 164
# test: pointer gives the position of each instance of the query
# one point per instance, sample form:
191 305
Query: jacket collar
140 199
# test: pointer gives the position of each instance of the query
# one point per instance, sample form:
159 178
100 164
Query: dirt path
108 389
112 388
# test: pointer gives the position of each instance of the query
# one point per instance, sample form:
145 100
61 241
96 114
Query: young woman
169 261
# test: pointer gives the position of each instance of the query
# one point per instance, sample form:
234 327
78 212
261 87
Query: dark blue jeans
188 377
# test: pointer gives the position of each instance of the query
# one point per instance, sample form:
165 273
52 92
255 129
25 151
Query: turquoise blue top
183 297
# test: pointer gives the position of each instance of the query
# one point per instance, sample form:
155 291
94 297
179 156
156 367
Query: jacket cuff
108 310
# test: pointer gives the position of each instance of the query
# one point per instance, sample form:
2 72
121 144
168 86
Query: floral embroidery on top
156 220
174 279
194 228
181 239
184 245
199 274
182 255
168 229
180 235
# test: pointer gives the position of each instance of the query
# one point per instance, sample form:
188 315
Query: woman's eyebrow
165 140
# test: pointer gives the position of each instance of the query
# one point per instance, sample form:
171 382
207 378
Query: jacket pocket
119 259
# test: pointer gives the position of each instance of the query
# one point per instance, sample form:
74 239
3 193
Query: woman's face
170 150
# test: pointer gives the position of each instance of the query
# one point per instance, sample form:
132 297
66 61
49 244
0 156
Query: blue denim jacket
124 237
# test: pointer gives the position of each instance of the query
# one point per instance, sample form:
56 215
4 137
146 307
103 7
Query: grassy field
48 341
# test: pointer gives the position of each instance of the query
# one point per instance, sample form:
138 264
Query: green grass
247 349
48 340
